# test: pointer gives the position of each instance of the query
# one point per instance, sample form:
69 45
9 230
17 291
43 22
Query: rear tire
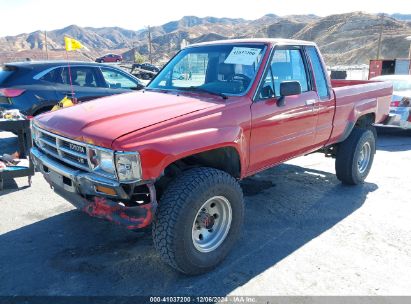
355 156
198 220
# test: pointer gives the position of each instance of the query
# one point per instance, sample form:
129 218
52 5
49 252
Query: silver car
400 108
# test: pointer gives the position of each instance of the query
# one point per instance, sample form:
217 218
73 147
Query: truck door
281 130
325 105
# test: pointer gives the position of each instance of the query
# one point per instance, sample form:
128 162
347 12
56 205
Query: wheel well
226 159
365 120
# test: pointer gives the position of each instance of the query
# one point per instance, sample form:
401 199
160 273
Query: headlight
101 161
128 166
35 134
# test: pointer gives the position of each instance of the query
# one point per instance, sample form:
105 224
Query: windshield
217 69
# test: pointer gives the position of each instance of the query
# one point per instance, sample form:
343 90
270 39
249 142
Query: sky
24 16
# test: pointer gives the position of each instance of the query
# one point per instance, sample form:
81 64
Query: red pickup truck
172 154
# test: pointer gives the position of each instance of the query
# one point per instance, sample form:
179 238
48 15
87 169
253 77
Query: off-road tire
348 156
178 207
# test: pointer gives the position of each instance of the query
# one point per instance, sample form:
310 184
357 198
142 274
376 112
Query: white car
400 108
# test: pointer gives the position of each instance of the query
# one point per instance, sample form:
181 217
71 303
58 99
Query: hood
103 120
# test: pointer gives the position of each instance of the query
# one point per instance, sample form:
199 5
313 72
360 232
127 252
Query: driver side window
286 65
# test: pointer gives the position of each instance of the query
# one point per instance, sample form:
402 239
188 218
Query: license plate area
56 179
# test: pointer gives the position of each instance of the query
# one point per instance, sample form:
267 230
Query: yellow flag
64 103
72 44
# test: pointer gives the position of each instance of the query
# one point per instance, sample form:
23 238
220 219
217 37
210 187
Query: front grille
74 147
66 150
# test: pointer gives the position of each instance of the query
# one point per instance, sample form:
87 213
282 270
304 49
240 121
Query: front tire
355 156
199 219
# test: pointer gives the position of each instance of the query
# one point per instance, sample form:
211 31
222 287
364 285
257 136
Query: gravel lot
304 234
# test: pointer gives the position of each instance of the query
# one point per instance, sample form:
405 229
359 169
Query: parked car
145 71
147 66
110 58
35 87
400 109
172 155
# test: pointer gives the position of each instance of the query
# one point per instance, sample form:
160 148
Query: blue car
35 87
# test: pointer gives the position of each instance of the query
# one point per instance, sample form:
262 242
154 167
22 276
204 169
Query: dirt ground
304 234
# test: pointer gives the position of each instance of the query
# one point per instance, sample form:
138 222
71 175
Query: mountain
353 38
344 38
403 17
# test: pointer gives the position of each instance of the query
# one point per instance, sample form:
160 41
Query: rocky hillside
404 17
353 38
344 39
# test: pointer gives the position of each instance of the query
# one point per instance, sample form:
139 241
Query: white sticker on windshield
242 55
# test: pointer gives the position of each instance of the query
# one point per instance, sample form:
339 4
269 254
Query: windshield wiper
156 89
200 89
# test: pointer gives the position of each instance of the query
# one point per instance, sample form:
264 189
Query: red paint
375 68
130 217
165 127
355 98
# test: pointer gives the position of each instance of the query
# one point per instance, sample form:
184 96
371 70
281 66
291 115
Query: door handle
310 102
69 93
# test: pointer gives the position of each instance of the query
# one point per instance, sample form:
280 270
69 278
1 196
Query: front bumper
81 190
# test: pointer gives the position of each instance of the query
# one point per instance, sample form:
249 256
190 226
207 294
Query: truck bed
355 97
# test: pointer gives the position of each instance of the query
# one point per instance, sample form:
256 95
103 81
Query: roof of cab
272 41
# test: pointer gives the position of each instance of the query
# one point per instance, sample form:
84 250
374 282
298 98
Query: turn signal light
106 190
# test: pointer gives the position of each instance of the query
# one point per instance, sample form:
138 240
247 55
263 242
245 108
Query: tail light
395 103
11 92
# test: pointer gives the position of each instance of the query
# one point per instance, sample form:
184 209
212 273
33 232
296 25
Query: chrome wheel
212 224
364 157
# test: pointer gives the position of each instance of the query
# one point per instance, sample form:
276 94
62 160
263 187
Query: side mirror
138 87
288 88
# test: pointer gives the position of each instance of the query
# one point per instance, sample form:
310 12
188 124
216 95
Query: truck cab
172 154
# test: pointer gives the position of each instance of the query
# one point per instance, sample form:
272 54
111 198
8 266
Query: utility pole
149 45
45 43
409 55
380 37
